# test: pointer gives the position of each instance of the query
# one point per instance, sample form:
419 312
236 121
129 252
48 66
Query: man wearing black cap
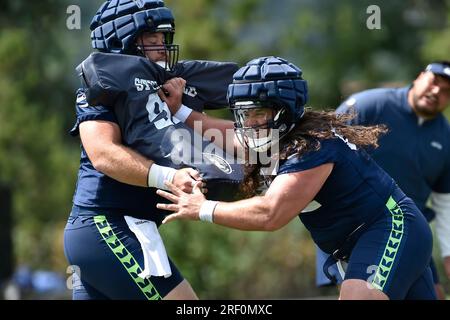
416 150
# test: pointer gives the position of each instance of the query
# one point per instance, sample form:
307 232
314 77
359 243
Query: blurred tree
35 160
331 41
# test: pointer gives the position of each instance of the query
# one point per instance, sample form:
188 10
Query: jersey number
159 113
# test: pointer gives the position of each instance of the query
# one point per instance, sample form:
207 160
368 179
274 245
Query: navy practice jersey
125 88
415 153
355 192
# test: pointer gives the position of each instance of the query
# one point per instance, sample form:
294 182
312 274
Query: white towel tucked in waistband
156 262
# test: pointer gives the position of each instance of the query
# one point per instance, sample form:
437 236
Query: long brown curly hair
313 127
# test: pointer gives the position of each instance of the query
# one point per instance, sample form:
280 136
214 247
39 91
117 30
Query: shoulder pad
206 82
107 76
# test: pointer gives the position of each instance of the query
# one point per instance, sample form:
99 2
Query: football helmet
117 24
267 97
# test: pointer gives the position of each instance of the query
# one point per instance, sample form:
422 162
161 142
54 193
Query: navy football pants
106 258
393 254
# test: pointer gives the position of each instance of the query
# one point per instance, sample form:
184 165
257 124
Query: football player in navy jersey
357 213
115 180
416 150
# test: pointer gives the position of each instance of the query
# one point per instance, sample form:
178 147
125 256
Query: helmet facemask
260 126
170 50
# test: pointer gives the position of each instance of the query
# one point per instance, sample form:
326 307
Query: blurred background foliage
328 39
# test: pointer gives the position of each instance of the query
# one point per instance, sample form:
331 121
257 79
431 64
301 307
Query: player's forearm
219 131
208 123
122 164
250 214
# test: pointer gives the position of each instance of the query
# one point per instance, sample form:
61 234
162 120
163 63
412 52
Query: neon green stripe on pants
391 249
126 258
